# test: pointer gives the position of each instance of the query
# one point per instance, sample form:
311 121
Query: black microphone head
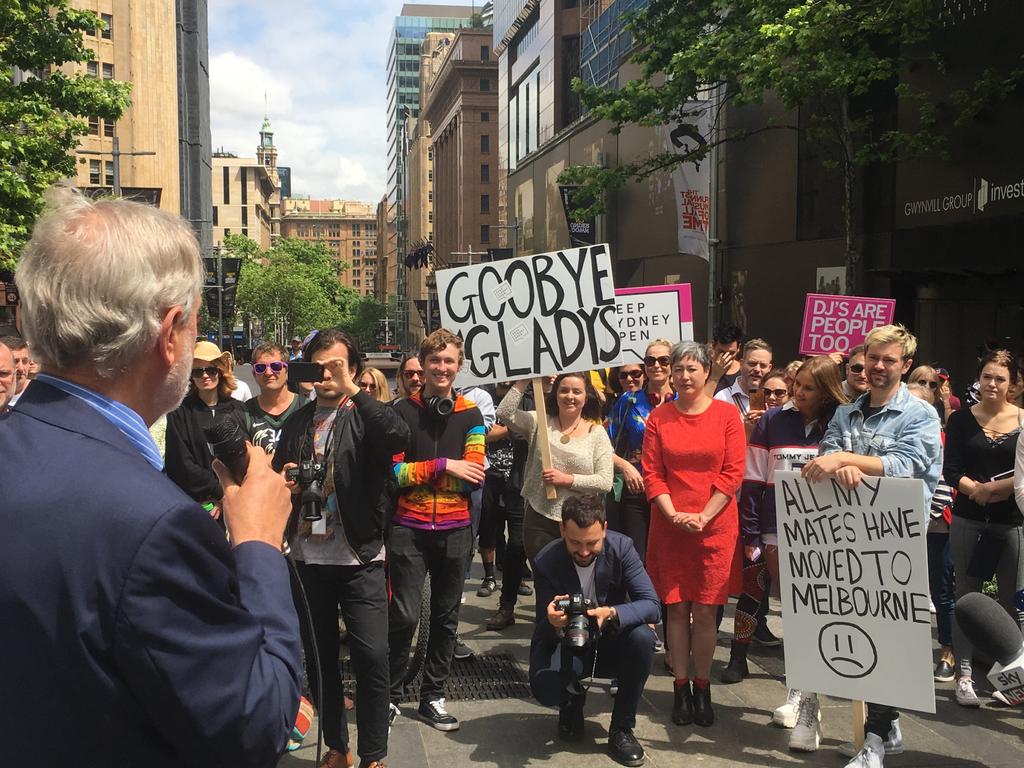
988 627
223 430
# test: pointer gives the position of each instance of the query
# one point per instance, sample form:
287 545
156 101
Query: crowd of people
641 500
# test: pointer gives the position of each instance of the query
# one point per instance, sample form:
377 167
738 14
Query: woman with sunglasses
188 460
373 382
928 378
776 390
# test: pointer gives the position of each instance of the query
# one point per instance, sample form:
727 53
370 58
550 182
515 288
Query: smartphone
757 400
299 371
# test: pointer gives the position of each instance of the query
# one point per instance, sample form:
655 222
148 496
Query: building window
485 233
215 215
485 143
430 154
485 203
430 216
485 84
227 231
94 126
92 68
227 186
108 71
107 30
245 216
245 230
245 187
485 52
108 173
94 172
485 173
485 117
430 175
108 128
430 196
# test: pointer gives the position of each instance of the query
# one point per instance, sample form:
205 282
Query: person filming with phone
337 452
746 393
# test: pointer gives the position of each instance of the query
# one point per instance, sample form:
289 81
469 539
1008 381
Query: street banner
840 323
691 179
853 571
581 231
534 315
652 312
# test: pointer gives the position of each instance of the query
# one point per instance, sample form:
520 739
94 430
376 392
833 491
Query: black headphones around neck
439 408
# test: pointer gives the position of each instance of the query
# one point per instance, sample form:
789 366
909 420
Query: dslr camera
310 477
577 631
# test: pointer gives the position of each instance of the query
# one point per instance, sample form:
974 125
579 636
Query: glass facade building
605 43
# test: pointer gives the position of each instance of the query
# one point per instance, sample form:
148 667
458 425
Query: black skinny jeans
361 591
502 505
412 555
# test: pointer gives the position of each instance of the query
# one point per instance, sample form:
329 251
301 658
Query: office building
346 227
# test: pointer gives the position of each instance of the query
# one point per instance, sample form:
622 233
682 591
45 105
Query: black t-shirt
265 429
727 380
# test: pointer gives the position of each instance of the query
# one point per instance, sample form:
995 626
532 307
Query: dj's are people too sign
840 323
853 570
534 315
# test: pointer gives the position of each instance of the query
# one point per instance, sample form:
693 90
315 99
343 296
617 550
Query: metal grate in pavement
485 676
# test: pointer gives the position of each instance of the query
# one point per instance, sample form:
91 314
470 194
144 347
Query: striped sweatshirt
780 440
428 497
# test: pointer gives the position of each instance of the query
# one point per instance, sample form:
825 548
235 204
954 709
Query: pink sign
839 323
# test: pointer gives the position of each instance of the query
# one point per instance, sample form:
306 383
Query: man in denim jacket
886 432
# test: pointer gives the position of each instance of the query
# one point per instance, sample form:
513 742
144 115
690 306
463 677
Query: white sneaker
785 716
806 736
893 744
393 713
965 694
871 755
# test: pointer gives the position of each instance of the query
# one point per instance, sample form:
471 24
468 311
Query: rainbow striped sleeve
412 473
473 451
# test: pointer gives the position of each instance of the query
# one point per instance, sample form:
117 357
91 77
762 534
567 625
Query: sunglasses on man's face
210 370
661 360
411 374
857 368
276 367
631 374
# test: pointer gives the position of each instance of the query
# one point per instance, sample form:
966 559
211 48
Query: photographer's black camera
577 631
310 477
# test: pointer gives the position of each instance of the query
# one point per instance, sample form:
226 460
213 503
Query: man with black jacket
340 556
442 466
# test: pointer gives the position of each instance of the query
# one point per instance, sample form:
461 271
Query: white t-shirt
588 588
241 391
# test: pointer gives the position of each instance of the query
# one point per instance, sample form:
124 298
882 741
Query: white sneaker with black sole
785 715
893 744
806 736
433 713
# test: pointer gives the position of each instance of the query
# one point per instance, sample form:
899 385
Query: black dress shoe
623 746
703 712
570 719
682 705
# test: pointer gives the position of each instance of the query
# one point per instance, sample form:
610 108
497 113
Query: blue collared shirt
905 434
120 415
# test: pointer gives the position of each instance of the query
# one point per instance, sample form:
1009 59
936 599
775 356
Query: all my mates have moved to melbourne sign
534 315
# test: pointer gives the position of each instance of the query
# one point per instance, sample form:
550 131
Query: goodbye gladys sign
533 316
853 568
840 323
653 312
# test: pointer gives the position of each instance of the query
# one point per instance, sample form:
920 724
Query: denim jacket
905 435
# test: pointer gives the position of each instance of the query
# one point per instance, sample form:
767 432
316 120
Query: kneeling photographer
337 451
594 604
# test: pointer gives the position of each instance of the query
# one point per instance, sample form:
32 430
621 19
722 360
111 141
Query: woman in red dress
693 458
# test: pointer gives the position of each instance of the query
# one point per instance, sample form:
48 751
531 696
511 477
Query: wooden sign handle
543 435
858 716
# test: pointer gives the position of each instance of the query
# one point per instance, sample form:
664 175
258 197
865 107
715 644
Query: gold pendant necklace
564 440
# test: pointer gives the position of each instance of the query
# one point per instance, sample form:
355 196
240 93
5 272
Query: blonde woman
928 378
373 382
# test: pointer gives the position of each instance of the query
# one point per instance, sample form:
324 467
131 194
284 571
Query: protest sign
853 571
840 323
534 315
652 312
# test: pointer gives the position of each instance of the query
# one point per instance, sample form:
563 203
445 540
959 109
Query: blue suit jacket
620 580
131 632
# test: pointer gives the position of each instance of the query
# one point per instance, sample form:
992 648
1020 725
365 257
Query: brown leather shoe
503 618
335 759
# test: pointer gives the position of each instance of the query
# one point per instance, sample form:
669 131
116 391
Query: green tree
362 320
832 58
43 111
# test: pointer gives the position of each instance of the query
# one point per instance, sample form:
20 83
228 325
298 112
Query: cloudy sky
321 64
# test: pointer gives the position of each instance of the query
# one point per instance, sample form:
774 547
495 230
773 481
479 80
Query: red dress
689 457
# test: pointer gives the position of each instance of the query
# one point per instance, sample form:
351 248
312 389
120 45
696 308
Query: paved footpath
511 733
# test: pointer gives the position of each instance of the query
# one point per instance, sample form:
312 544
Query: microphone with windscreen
989 628
228 443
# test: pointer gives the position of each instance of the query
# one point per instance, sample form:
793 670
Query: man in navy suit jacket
130 625
602 566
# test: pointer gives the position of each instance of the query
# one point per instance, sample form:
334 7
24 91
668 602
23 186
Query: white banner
653 312
533 316
854 581
691 180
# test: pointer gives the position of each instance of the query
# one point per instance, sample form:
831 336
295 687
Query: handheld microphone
991 630
228 443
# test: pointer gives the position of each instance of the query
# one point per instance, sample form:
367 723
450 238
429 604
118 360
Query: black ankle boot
703 713
736 670
682 705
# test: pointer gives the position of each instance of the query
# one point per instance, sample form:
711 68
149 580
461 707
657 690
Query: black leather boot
736 670
703 713
682 705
